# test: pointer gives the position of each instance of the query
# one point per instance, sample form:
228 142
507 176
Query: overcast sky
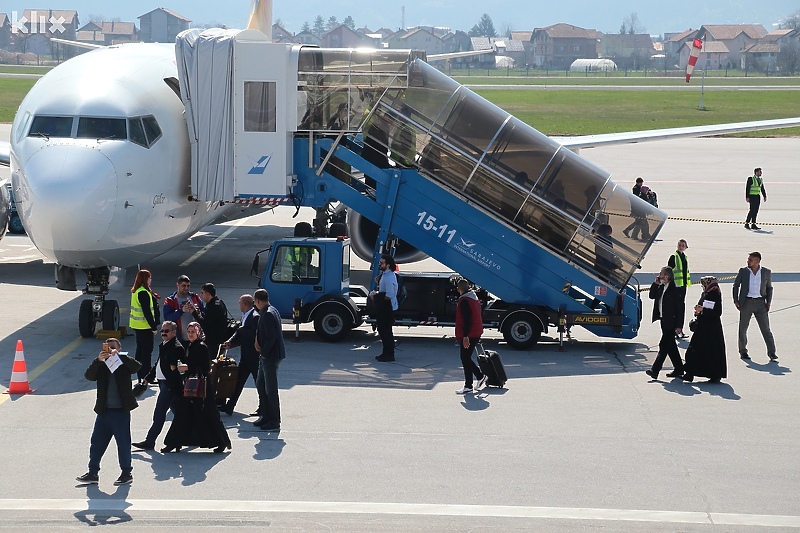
522 15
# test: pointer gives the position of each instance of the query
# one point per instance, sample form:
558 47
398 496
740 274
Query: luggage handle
479 349
221 356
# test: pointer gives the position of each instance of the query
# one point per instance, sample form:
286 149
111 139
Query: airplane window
259 106
23 125
101 128
51 126
136 131
151 129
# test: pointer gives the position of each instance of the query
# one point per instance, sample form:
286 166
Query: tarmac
579 440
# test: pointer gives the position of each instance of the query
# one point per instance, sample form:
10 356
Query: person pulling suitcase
469 328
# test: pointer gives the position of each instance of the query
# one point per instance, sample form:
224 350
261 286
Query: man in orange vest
469 328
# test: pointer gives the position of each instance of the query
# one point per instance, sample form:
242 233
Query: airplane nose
72 194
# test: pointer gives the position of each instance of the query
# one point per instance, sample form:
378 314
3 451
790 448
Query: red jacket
469 316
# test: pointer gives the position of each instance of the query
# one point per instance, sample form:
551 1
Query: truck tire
332 323
303 229
15 224
522 331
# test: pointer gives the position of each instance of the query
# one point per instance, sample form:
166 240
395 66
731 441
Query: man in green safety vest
752 194
679 264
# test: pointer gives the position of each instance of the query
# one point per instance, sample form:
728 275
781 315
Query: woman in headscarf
196 421
705 355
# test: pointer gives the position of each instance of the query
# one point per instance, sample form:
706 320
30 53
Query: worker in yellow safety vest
144 319
680 266
753 191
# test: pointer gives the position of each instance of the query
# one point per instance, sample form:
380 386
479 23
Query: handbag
693 324
195 387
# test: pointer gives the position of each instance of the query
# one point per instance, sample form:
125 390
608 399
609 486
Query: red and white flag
697 46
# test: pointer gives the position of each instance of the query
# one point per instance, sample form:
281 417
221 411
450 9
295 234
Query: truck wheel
331 323
86 319
522 331
15 225
303 229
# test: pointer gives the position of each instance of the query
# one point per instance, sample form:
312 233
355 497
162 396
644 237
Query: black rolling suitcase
492 366
224 374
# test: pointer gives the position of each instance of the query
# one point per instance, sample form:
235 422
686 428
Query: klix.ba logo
38 23
261 165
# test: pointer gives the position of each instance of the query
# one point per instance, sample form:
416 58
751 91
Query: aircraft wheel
110 315
15 224
522 331
332 323
86 319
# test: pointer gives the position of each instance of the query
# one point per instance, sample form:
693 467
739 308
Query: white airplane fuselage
89 199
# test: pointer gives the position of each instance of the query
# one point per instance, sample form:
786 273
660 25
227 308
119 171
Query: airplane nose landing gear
106 312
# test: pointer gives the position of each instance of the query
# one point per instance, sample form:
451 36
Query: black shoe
227 409
744 356
144 445
625 232
260 421
385 358
219 449
753 226
687 377
746 225
773 357
271 427
652 374
254 414
124 479
675 374
168 449
88 479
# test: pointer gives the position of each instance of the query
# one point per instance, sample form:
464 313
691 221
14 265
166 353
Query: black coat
245 337
705 355
169 353
270 335
214 321
98 371
669 306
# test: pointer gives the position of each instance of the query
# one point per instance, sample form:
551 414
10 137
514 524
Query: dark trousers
667 347
113 423
385 322
757 307
681 292
269 406
470 368
247 367
145 341
164 402
755 203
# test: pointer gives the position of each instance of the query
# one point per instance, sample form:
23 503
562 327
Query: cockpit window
48 126
136 132
101 128
151 129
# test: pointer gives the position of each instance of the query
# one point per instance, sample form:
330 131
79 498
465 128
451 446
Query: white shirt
388 285
754 290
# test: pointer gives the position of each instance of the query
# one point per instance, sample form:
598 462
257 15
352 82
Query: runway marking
213 243
503 511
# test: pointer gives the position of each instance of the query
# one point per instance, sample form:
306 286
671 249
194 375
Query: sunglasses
165 331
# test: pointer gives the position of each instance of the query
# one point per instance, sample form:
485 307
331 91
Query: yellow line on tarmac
213 243
53 359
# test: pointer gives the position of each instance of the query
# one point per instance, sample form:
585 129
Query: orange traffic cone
19 374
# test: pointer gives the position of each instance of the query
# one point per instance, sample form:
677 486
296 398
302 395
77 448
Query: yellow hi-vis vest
679 280
137 319
755 186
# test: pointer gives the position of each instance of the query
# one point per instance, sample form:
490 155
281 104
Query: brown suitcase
224 374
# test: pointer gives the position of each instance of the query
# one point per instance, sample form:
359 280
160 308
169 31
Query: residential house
108 33
43 24
161 26
417 39
765 55
511 48
5 32
713 56
308 37
627 50
482 61
736 38
673 42
557 46
281 34
340 37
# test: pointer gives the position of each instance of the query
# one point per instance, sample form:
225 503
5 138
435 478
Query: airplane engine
363 233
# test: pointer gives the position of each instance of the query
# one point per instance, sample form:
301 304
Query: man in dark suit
752 295
170 382
665 309
269 342
245 337
213 319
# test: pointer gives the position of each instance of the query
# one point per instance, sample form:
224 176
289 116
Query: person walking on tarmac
680 266
469 328
753 191
144 319
665 309
213 319
385 301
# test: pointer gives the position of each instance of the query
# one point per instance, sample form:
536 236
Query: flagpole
702 89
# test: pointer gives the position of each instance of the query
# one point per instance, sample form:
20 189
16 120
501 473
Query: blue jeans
113 423
269 406
164 402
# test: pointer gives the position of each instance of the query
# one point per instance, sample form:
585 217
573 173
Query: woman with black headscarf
705 355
